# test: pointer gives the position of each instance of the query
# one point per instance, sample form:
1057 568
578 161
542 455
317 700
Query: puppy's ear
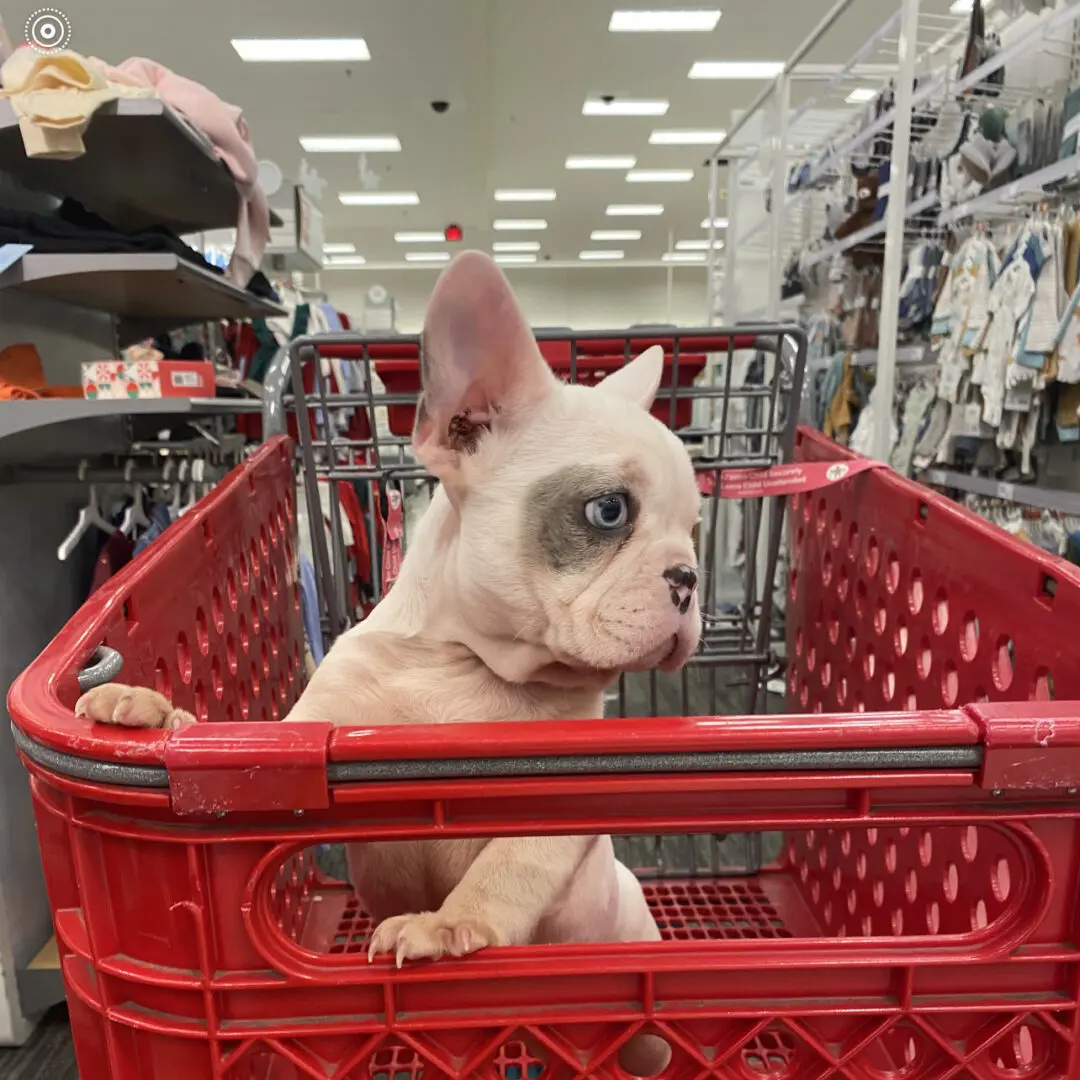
639 380
479 364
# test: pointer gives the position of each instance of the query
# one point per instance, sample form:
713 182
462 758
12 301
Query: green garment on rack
268 344
267 350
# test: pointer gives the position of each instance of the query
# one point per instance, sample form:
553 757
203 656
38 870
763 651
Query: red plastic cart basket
920 922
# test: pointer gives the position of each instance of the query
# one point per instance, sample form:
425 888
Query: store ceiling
515 73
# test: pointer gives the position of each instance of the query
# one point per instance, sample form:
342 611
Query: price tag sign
790 479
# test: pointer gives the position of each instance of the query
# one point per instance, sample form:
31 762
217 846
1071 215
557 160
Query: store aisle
48 1055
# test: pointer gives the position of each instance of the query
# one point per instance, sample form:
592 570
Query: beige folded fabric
55 95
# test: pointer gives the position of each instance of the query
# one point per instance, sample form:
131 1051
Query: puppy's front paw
130 706
429 935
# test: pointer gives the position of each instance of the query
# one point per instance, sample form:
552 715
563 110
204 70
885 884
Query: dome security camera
441 106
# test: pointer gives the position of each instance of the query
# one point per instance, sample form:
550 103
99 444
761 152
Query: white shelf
144 165
789 310
905 354
1032 184
928 88
148 293
19 416
873 230
1065 502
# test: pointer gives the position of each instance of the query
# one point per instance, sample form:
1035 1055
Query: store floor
48 1055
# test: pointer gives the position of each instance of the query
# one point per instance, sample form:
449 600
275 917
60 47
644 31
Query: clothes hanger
135 515
90 517
174 504
198 471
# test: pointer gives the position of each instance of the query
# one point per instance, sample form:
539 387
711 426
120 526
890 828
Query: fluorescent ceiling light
516 245
600 235
624 107
600 256
861 95
514 260
659 176
718 223
427 256
271 50
419 237
683 257
634 210
701 21
962 7
697 245
379 198
601 161
736 69
505 224
338 249
525 195
687 137
343 261
350 144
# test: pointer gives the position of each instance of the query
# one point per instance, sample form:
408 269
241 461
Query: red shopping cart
913 915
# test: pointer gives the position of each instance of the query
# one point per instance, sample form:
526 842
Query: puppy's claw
428 936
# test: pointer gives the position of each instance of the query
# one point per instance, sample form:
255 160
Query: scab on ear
463 433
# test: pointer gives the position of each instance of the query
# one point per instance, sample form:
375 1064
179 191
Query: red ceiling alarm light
453 233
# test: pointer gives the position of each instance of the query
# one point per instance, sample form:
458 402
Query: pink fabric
226 128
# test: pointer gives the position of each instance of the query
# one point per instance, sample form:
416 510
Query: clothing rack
106 474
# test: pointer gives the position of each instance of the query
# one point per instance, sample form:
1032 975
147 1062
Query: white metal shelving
148 292
17 417
1030 188
918 49
144 166
1065 502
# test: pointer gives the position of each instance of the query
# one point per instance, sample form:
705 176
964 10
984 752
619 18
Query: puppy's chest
465 691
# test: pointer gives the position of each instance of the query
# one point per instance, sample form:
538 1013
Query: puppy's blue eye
608 511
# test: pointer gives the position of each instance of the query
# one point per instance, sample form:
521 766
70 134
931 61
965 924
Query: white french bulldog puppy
556 554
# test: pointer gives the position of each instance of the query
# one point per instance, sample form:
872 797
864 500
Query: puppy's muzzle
682 580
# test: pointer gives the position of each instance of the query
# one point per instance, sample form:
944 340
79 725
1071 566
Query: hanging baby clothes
1039 330
862 438
916 421
962 307
1010 299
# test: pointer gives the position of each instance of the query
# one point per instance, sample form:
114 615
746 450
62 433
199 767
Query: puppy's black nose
683 581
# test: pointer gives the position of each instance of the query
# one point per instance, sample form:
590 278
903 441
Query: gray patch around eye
556 531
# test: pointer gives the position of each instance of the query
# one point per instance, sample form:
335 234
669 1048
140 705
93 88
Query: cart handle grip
104 666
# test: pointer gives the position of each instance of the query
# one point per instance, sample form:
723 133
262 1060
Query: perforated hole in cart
1028 1050
775 1054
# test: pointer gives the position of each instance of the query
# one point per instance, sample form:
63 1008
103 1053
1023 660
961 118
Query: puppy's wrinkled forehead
558 533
